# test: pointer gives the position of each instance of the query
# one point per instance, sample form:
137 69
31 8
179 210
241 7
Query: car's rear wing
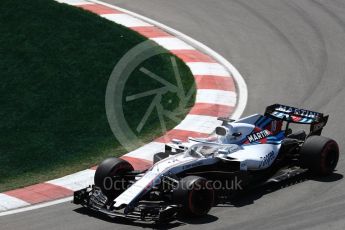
296 115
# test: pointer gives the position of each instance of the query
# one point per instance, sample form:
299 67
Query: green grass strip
55 61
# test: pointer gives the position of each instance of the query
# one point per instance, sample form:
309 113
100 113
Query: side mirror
221 131
237 134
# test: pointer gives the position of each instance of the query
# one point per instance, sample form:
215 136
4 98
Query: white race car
194 176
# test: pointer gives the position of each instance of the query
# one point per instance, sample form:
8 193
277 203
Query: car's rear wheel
320 155
108 176
194 196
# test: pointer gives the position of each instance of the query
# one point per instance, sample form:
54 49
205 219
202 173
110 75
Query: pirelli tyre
320 155
108 176
194 196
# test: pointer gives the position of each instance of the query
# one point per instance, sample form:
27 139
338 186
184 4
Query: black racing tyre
194 196
159 156
104 176
320 155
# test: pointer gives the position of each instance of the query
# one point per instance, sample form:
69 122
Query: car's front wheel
108 176
193 194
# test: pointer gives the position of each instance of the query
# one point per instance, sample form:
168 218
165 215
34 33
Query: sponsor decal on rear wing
293 114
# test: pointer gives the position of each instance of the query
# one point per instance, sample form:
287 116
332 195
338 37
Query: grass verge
55 61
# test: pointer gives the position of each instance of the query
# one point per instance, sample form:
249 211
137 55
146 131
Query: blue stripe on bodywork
265 123
279 136
261 119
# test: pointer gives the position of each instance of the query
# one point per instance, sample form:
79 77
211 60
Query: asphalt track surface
291 52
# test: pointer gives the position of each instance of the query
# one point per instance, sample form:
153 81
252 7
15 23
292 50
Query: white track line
74 2
36 206
7 202
75 181
125 20
171 43
216 97
147 150
206 68
199 123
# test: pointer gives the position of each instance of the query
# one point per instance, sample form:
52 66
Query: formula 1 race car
192 177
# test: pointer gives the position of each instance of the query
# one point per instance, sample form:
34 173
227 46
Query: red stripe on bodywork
180 134
214 82
137 163
192 56
99 9
151 31
296 119
40 193
211 110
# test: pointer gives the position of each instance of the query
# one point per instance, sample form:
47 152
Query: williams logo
258 136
